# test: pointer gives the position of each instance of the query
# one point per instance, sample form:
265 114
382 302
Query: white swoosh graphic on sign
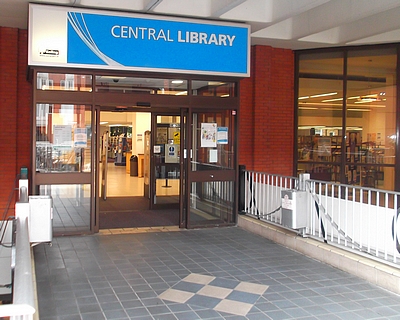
83 32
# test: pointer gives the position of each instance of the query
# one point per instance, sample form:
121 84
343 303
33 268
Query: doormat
124 204
139 219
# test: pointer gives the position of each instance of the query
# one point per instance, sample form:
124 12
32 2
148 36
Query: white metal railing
364 219
359 218
262 194
23 306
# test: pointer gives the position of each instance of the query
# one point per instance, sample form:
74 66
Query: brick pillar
15 105
271 122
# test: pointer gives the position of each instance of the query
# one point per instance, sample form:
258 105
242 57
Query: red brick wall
266 112
15 112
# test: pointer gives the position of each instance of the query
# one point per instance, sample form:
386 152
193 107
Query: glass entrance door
212 172
166 155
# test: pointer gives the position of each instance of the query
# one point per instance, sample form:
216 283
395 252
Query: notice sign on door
80 138
208 135
177 137
171 153
222 135
62 136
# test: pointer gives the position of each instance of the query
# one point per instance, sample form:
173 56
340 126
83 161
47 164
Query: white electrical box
40 219
294 209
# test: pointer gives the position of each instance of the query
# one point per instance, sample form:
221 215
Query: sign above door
80 38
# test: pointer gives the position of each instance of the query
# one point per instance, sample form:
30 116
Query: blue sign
155 44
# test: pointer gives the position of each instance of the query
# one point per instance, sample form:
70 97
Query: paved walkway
219 273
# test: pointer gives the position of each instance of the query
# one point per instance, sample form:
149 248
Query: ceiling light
181 93
307 108
363 110
305 97
104 122
323 95
310 127
177 81
329 100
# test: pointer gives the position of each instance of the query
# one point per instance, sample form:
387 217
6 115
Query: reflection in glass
364 150
214 88
63 138
371 117
320 108
211 202
141 85
65 82
71 207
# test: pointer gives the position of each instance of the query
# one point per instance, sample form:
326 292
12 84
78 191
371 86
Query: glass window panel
323 65
63 138
141 85
211 202
371 117
320 110
61 81
213 141
71 206
221 89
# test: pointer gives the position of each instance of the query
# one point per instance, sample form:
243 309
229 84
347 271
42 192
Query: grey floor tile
121 277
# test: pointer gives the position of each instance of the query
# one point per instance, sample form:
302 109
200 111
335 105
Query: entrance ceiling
294 24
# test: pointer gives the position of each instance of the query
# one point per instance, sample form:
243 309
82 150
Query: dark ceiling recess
143 104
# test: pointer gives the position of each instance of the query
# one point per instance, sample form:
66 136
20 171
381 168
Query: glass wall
320 111
64 82
347 116
131 85
71 207
63 138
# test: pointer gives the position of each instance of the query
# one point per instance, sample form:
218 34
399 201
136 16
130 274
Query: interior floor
121 184
125 206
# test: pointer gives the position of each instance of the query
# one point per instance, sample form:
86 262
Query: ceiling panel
294 24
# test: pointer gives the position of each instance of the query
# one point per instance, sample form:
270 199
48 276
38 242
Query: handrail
364 220
23 306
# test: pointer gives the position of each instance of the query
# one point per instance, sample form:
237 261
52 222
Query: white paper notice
62 135
157 149
213 156
208 135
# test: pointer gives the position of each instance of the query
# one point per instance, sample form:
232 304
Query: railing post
303 177
242 186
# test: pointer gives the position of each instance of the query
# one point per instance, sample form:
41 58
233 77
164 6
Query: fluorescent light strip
329 100
361 110
338 104
324 94
181 93
305 97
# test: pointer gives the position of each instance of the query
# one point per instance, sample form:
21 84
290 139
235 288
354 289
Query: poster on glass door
208 135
